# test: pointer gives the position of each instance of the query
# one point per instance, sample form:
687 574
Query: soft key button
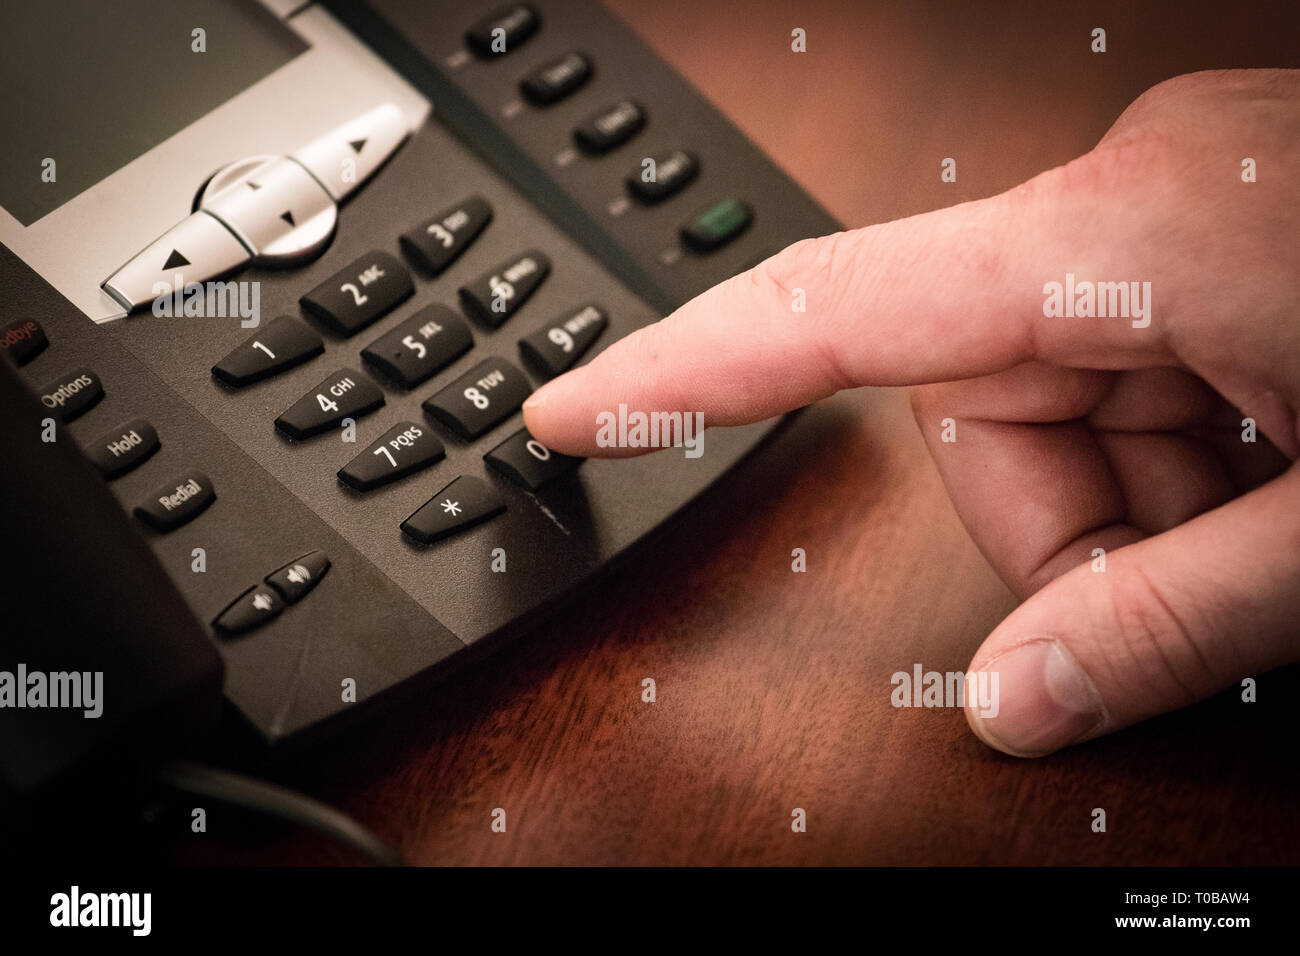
344 158
276 209
196 249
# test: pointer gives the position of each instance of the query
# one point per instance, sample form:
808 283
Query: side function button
527 462
196 249
123 448
23 340
611 127
462 504
717 225
672 173
294 580
485 395
344 158
276 209
251 609
429 340
497 294
345 394
71 396
359 294
500 33
553 81
559 343
176 502
282 344
437 242
402 450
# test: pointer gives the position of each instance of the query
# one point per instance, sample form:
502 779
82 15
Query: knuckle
822 263
1165 646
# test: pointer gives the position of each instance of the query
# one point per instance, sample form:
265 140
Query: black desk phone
276 278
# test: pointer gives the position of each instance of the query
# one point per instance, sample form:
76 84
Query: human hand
1073 433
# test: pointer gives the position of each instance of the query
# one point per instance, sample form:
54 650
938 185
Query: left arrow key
196 249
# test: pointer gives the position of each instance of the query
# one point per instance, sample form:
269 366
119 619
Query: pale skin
1113 437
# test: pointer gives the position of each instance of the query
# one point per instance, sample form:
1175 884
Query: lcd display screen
87 86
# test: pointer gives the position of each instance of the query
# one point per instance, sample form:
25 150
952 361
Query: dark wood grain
773 687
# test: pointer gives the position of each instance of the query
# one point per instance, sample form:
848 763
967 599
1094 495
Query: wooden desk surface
773 687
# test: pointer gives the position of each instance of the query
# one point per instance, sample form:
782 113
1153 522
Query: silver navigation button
196 249
276 209
344 158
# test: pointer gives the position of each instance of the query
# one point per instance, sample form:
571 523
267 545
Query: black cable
270 798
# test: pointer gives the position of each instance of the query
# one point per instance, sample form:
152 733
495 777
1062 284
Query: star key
465 502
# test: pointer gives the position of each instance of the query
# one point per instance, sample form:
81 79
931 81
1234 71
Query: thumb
1171 620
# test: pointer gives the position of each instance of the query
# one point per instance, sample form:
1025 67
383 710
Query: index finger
945 295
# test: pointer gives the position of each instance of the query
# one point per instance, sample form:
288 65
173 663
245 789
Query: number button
437 242
402 450
282 344
354 297
345 394
484 396
496 295
558 344
527 462
430 339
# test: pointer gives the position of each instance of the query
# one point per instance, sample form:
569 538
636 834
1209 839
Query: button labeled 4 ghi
345 394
